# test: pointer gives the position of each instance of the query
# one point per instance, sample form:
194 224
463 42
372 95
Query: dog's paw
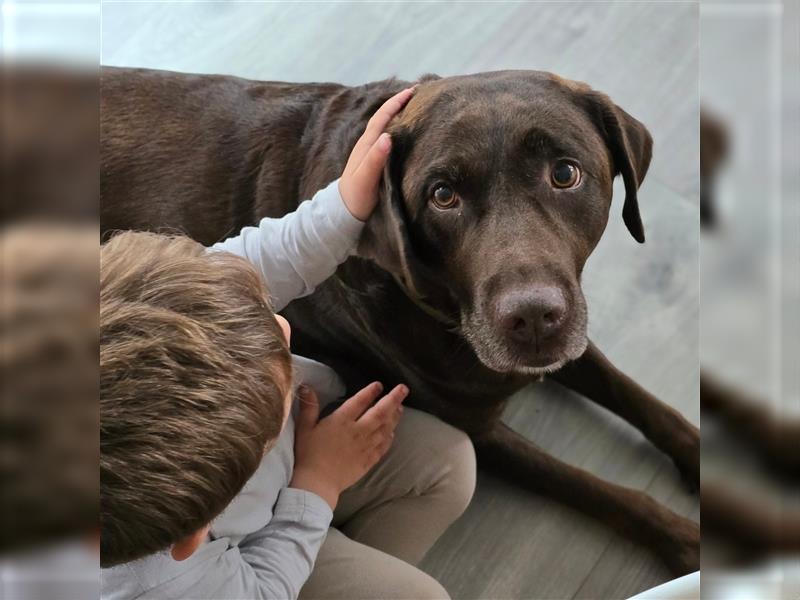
681 550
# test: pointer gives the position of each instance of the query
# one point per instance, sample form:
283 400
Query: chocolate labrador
466 282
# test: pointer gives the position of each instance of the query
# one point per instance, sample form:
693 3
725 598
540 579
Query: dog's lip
537 360
539 367
542 364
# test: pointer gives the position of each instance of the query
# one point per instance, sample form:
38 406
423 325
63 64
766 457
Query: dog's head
497 190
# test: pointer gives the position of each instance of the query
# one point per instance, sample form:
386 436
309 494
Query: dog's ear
385 239
631 149
428 77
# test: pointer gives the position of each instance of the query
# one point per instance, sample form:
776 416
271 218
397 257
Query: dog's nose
535 313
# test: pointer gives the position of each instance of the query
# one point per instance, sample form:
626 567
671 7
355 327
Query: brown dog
466 283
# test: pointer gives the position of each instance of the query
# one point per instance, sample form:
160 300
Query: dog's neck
419 301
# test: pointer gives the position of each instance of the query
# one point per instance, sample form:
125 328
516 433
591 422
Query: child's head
194 375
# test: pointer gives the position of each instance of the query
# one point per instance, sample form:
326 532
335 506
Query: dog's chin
495 355
536 371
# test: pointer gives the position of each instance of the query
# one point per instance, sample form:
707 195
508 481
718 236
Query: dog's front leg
634 514
593 376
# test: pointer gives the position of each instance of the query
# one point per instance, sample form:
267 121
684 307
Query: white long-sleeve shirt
265 542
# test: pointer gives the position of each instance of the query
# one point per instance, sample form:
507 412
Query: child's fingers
377 123
381 448
368 174
386 113
355 406
383 435
309 408
380 436
393 418
385 410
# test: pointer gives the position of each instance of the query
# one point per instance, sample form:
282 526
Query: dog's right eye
444 197
565 174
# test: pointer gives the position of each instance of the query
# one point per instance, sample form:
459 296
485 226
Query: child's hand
362 174
334 453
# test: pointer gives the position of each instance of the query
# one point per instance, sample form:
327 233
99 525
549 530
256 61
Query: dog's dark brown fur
442 300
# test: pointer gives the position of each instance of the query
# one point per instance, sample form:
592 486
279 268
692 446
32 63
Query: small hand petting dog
211 486
362 174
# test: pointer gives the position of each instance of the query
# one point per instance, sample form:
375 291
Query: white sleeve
301 249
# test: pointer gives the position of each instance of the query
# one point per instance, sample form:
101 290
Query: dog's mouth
495 356
533 356
543 364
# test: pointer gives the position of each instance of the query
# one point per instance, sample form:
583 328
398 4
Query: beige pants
385 524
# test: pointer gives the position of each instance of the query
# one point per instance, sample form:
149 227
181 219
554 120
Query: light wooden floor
643 300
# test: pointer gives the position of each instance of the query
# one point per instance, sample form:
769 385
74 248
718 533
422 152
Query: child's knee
403 583
425 587
435 460
448 458
458 456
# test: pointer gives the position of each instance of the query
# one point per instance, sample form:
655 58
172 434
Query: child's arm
277 560
332 454
300 250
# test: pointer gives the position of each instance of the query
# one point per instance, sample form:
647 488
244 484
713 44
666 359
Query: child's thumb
309 407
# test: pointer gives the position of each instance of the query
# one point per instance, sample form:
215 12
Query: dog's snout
533 314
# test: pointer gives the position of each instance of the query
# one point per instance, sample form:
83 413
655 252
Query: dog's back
203 155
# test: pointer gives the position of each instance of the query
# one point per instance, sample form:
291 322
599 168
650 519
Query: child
210 486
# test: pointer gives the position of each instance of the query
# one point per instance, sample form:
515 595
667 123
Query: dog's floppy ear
428 77
631 149
385 239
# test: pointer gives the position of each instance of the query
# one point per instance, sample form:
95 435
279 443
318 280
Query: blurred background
49 265
750 299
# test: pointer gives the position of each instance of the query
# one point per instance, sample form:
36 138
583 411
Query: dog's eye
444 197
565 175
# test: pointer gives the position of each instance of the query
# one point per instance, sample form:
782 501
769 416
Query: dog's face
498 189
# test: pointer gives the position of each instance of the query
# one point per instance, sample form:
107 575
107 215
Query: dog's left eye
565 174
444 197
